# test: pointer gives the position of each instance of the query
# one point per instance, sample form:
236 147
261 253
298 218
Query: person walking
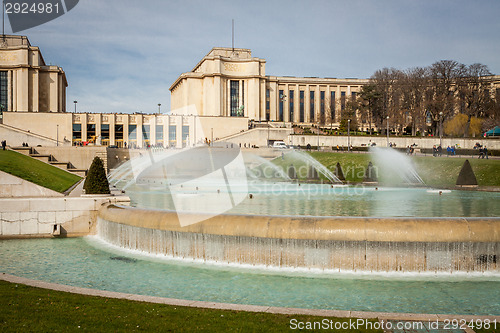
4 144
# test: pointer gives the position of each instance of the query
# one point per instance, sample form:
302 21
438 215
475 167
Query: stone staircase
104 157
50 159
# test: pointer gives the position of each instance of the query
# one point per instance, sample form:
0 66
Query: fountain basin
387 244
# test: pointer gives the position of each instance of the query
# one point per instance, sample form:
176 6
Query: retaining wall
46 217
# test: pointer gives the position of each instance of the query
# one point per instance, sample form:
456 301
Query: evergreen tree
96 181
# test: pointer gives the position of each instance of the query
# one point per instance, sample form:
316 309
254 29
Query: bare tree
473 91
386 81
369 103
413 86
442 90
330 109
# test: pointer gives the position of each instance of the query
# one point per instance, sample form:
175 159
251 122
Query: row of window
3 91
236 106
132 132
312 99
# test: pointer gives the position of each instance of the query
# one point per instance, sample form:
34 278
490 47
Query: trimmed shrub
96 181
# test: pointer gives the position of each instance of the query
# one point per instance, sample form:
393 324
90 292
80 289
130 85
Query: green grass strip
36 171
434 171
25 308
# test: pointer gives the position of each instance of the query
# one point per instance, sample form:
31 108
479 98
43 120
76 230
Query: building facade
218 99
27 83
231 83
149 130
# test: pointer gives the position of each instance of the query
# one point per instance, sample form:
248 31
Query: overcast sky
123 55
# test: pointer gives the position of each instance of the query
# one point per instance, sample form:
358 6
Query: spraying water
259 168
311 161
392 163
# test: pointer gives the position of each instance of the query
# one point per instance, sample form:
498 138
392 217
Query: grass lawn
25 308
36 171
435 171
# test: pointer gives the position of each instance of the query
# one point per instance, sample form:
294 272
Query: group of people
25 144
451 150
437 151
4 144
483 151
410 149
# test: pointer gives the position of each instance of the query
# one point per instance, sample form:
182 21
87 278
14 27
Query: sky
123 55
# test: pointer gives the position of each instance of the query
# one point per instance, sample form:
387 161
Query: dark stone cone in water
370 173
338 172
312 173
292 173
466 175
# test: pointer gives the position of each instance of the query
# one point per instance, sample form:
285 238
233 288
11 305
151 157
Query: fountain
391 239
323 246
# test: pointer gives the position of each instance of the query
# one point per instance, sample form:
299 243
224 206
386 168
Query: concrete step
23 150
104 157
43 158
78 172
60 165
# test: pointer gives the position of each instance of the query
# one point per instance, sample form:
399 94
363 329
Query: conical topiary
312 173
292 173
370 173
338 172
96 181
466 175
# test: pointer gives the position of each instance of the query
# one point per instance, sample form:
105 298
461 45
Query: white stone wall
15 137
381 141
36 217
12 186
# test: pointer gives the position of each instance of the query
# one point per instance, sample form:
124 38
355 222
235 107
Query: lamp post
159 108
283 99
194 130
268 129
441 129
57 136
318 136
348 135
75 104
387 131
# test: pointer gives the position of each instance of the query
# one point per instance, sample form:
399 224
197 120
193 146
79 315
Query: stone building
231 83
27 83
224 93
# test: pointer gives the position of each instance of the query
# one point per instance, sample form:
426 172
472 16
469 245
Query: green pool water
325 200
88 262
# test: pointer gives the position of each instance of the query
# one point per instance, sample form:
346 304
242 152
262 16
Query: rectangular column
179 123
84 126
98 122
112 122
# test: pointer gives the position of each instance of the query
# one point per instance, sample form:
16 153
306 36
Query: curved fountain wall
327 243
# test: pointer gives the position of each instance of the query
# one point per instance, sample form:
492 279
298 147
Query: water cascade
341 244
